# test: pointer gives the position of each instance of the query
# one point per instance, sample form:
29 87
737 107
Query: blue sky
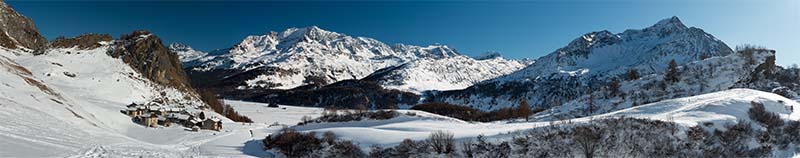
517 29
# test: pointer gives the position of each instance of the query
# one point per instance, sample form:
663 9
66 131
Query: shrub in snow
442 142
329 137
346 149
406 148
293 143
761 115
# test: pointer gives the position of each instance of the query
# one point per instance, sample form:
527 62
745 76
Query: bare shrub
758 113
346 149
293 143
587 140
442 142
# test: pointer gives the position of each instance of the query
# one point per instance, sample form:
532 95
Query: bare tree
524 110
613 88
588 140
466 149
442 142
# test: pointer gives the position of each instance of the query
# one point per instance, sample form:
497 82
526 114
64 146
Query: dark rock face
18 30
145 53
85 41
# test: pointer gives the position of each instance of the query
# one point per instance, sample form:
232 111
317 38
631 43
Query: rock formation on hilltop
147 54
18 30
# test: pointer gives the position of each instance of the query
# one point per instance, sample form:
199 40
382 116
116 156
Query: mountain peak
181 46
185 52
488 55
672 23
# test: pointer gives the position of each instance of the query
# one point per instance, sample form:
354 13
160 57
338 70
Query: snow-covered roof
178 116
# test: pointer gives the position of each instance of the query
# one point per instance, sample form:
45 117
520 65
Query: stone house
151 121
212 124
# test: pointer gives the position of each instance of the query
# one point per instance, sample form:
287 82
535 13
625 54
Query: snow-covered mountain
593 61
452 73
185 52
606 55
301 56
696 78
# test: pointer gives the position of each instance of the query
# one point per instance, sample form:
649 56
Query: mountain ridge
311 55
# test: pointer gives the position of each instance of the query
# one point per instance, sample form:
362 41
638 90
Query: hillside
592 61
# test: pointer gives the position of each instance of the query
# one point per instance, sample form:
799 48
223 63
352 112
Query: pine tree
672 72
633 74
613 88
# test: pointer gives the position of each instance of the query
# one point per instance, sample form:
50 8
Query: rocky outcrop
145 53
18 31
85 41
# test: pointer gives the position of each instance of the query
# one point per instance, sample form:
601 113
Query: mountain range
310 55
664 90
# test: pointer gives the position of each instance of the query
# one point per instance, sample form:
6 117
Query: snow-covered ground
720 108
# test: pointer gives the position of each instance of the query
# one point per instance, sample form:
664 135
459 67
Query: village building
155 114
151 121
133 112
212 124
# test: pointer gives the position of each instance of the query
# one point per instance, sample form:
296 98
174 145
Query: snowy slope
729 106
301 56
720 108
56 115
451 73
67 102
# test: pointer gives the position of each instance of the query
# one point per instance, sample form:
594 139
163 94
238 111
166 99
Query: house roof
178 116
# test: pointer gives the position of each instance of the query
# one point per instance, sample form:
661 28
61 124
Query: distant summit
185 52
488 55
